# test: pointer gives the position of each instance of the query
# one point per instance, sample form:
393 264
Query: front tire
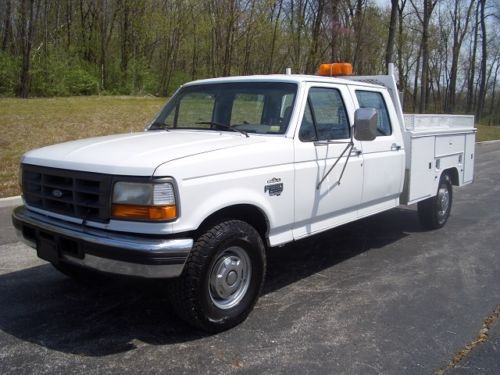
434 212
222 278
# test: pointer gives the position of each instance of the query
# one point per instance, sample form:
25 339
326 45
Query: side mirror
365 124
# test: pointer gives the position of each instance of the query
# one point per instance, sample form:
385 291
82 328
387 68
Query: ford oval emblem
57 193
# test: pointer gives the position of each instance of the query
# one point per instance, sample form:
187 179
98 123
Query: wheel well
453 173
244 212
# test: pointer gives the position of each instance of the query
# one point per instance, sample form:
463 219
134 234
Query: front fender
197 204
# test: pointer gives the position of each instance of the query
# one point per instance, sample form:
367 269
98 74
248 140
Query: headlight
144 201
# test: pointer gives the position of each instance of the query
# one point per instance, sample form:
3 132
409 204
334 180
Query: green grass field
32 123
487 133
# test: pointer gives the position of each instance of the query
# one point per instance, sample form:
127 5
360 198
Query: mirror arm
345 165
349 147
348 155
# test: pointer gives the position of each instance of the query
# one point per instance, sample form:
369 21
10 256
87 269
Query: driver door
323 140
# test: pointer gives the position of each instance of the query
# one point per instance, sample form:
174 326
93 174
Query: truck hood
136 154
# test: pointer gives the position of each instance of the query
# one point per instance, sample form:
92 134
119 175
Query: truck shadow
41 306
306 257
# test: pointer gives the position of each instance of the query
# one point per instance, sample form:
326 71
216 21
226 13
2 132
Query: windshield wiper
225 126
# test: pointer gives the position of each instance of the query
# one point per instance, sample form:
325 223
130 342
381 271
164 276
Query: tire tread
184 291
427 208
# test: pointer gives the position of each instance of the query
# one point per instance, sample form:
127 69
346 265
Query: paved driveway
377 296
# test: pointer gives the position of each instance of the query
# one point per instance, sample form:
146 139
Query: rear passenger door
322 141
383 157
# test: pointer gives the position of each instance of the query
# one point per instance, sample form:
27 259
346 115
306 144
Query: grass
487 133
32 123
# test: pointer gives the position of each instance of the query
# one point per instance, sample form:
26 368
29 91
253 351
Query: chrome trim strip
101 237
125 268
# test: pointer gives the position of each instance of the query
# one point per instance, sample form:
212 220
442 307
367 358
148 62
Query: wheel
79 274
434 212
222 279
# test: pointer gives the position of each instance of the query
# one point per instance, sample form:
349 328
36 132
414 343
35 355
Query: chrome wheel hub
229 277
443 201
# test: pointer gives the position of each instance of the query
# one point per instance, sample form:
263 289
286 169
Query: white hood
136 154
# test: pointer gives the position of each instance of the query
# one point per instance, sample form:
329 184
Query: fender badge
274 180
274 189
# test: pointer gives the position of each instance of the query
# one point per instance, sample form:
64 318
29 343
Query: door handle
395 147
356 152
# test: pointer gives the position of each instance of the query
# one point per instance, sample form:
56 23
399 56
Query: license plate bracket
46 249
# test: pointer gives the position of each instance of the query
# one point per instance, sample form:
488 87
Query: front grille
83 195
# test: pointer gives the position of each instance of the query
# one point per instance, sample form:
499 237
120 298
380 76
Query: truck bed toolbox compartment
435 143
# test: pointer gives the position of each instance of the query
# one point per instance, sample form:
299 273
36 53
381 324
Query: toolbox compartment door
470 154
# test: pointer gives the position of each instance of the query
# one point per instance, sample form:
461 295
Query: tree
445 51
275 19
28 15
312 59
424 19
392 33
460 23
7 25
484 59
472 63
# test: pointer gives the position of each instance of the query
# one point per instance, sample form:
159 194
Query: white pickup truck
230 167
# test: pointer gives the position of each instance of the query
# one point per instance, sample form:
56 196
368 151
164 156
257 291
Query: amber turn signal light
135 212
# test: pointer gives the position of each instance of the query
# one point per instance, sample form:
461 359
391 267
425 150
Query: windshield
248 107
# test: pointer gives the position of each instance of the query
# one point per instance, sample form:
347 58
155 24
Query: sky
382 3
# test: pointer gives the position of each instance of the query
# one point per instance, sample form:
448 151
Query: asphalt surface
377 296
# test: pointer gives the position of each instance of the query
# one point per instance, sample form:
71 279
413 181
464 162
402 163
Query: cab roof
289 78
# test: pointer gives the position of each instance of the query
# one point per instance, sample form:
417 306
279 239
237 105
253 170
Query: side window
326 115
372 99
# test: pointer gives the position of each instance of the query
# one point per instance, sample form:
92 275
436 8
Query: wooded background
447 53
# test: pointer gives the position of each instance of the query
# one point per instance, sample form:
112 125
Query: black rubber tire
80 274
190 295
430 211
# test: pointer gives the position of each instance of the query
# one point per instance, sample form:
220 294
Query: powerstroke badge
274 186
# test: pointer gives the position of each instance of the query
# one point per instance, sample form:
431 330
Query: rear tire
222 278
434 212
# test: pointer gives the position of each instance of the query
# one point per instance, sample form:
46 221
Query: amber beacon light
335 69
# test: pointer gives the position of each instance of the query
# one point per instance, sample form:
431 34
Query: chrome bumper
133 255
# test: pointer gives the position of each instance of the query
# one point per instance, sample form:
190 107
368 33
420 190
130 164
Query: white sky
382 3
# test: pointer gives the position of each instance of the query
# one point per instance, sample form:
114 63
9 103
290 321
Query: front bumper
133 255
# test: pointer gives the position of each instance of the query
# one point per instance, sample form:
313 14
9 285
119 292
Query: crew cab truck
229 168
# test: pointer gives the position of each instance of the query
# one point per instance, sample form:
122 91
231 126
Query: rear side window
373 99
325 116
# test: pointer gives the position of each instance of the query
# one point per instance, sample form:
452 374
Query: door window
373 99
325 117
